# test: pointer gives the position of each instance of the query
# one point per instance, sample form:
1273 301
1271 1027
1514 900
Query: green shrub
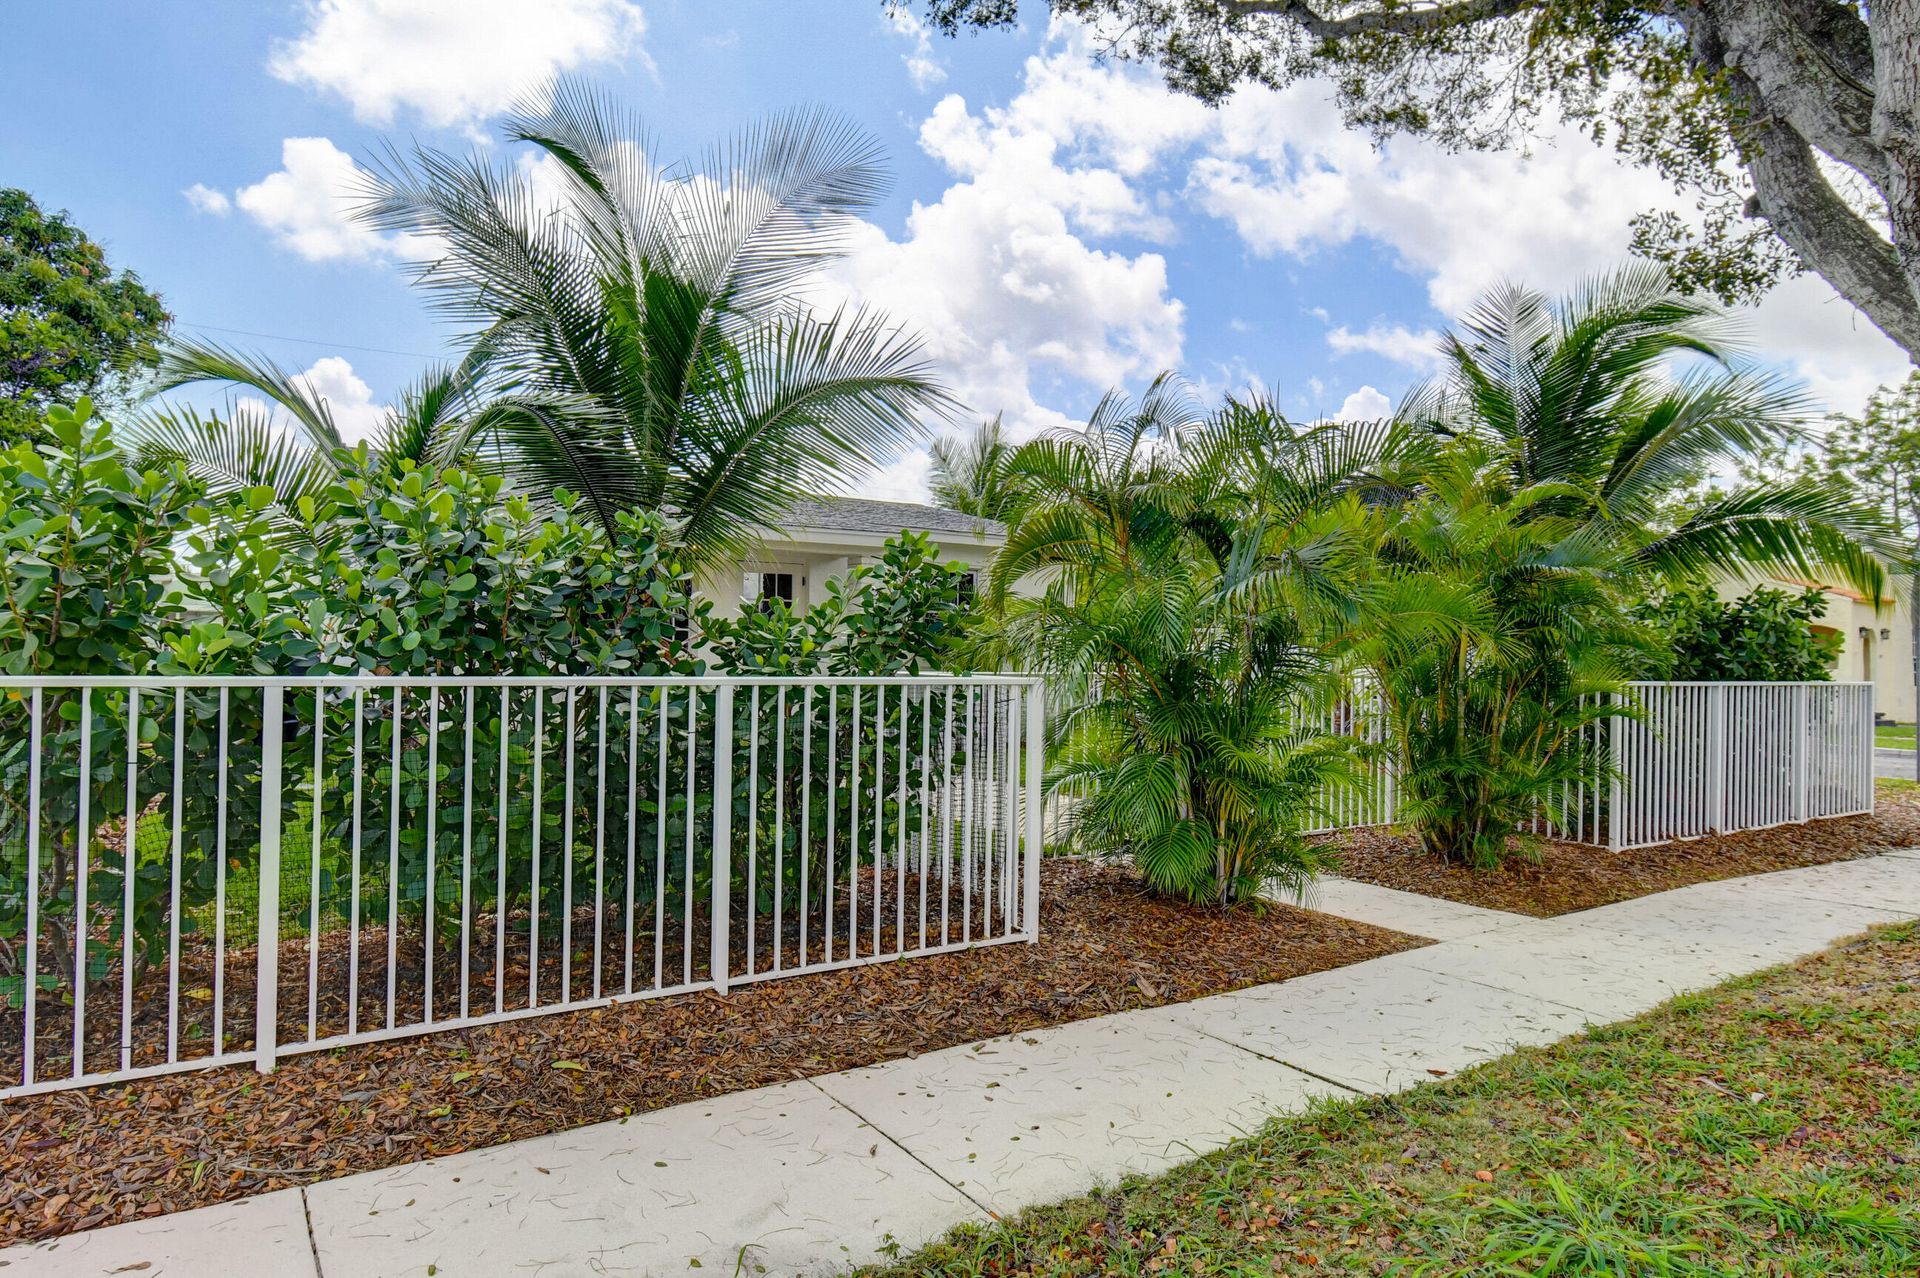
390 569
84 563
901 614
1766 634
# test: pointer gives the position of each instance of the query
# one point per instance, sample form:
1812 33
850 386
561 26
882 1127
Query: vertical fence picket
129 876
177 800
723 727
266 994
30 984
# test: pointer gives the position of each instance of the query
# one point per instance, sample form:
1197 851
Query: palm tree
1496 630
1088 493
652 316
1179 568
1576 392
974 475
638 334
1497 620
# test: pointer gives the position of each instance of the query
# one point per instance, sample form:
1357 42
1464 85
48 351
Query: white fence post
1616 790
1036 764
266 998
1867 746
1716 813
722 832
1801 755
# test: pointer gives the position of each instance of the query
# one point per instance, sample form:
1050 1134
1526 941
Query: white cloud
308 206
1397 342
905 478
450 62
1827 343
349 399
999 274
1292 180
1364 405
205 199
923 68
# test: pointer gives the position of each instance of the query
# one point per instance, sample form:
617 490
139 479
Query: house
822 538
1876 643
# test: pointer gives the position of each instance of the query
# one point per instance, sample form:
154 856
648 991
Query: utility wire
308 341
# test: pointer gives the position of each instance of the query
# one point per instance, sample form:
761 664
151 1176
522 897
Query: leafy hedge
390 570
1765 634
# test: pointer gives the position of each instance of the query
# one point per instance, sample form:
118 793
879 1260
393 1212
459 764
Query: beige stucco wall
817 556
1878 642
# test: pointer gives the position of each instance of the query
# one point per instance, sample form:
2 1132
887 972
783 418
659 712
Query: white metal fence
1707 758
1689 759
317 862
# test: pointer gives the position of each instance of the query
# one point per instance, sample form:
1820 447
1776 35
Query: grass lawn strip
80 1159
1771 1126
1570 876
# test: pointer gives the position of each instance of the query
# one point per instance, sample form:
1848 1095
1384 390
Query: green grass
1885 788
1767 1127
1894 736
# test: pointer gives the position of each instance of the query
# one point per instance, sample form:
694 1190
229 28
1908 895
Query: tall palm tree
1578 392
654 315
1497 620
638 335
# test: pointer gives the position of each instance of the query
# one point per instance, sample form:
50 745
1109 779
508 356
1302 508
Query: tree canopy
69 324
1793 124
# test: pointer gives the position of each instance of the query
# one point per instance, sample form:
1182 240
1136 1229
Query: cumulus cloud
205 199
1827 343
1414 348
1004 274
1364 405
307 205
451 63
347 397
905 478
1292 180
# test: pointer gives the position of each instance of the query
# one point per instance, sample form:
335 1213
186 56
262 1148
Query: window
967 588
762 586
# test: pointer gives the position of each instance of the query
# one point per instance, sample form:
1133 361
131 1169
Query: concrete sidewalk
809 1177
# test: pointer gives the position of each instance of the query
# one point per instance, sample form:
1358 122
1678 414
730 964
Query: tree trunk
1799 84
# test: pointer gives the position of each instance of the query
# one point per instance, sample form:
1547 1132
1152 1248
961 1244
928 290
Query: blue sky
1057 224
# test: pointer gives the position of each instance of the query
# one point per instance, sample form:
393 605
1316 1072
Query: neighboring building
821 539
1876 642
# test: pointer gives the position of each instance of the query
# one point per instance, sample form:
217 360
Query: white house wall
817 558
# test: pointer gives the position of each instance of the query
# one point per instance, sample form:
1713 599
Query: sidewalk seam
888 1136
313 1246
1587 1012
1284 1064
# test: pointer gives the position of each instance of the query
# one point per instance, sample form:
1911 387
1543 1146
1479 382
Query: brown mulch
80 1159
1572 876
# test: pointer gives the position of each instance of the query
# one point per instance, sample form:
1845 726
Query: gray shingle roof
858 514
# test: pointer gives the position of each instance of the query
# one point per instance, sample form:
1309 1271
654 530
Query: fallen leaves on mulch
80 1159
1572 876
